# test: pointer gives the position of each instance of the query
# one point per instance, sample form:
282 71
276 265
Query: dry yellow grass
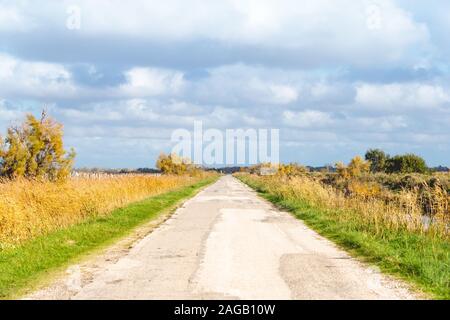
32 208
400 212
389 232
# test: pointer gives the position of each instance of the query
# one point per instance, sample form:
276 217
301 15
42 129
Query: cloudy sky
335 76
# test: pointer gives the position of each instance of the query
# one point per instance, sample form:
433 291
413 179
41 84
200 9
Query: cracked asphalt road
226 243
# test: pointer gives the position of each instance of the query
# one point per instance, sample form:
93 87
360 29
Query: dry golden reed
401 212
31 208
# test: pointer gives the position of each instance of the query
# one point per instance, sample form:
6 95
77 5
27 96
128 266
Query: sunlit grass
25 264
391 235
31 208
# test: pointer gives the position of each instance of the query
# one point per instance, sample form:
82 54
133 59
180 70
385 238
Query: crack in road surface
227 243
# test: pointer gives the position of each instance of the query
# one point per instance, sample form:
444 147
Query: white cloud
253 51
34 79
265 90
307 119
335 29
142 82
242 85
12 19
248 20
122 111
406 95
283 94
378 124
8 114
52 81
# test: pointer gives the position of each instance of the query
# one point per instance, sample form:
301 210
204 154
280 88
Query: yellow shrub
355 168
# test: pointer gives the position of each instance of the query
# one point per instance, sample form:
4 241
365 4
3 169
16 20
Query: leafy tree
13 154
35 150
377 159
173 164
408 163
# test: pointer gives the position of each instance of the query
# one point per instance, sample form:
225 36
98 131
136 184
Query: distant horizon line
224 167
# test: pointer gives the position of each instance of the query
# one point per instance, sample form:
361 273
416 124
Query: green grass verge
23 266
420 259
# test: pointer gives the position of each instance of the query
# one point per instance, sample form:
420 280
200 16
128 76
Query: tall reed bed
32 208
402 212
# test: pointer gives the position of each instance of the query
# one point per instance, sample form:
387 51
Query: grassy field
30 208
22 265
381 233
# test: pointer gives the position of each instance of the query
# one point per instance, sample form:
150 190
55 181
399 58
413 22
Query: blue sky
335 76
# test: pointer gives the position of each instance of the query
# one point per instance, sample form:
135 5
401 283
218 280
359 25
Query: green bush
408 163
